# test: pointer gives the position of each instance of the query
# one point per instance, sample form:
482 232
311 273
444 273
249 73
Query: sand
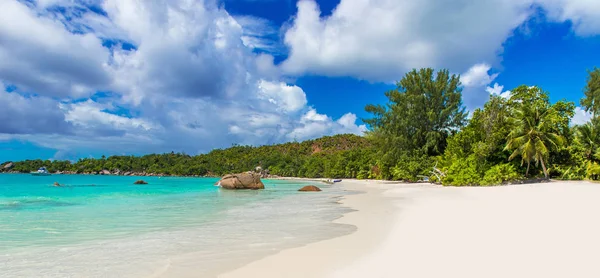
540 230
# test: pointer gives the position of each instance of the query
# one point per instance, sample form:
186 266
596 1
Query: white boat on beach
332 181
42 171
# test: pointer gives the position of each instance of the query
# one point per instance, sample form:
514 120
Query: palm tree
588 136
532 134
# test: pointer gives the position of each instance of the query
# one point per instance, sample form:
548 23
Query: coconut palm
588 136
532 136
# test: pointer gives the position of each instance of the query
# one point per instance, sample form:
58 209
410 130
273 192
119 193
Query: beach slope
539 230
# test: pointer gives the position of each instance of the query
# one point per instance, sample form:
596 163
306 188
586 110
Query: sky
85 78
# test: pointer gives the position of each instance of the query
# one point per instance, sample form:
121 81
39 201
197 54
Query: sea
106 226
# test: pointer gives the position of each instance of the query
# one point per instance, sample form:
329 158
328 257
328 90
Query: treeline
422 132
424 127
340 156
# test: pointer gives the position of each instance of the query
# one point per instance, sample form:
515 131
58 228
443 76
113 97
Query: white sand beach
537 230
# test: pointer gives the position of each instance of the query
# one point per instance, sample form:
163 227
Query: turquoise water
105 226
33 212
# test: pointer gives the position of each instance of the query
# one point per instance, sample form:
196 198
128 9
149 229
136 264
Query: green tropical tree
422 112
588 137
535 125
591 101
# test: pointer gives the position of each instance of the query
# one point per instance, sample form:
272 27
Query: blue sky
85 78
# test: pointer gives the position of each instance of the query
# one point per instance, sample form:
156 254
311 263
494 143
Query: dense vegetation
422 132
342 156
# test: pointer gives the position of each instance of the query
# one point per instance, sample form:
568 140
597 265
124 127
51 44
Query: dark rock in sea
57 184
310 188
247 180
140 182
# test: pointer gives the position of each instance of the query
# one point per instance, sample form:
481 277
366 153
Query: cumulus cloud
478 75
380 40
90 115
584 14
581 116
184 49
23 115
260 34
313 124
498 90
287 98
172 75
477 86
40 56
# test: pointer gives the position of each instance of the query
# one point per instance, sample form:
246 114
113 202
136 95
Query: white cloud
498 90
22 115
581 116
348 125
265 66
478 75
287 98
380 40
584 14
477 86
90 114
184 49
189 84
39 55
313 116
314 124
261 34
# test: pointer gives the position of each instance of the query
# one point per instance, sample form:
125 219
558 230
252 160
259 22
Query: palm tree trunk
527 172
544 168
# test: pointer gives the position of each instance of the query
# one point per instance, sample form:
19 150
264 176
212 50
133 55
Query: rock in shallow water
140 182
247 180
310 188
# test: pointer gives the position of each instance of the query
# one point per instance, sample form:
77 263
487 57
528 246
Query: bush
462 172
409 167
568 172
500 174
363 174
593 170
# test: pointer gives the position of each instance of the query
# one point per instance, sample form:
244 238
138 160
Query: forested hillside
332 156
424 126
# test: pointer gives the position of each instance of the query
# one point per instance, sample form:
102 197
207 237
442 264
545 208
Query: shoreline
419 230
184 265
380 229
370 208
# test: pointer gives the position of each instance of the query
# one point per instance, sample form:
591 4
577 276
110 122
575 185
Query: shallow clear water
105 225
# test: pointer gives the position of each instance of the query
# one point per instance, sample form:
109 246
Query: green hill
339 156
